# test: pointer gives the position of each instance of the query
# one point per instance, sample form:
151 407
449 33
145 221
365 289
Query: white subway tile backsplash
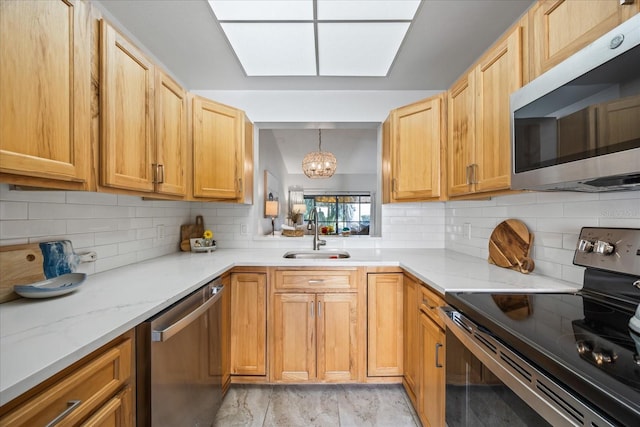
14 210
555 218
123 229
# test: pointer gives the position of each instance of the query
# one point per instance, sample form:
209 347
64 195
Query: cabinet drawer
79 394
314 280
429 304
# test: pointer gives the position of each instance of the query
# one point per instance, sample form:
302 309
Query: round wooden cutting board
510 245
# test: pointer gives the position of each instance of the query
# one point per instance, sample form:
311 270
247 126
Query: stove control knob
585 246
602 247
601 357
583 347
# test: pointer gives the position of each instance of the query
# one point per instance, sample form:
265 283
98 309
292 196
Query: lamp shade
271 208
300 208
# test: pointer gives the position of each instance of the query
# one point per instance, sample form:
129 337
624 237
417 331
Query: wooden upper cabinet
45 92
559 28
170 136
479 144
414 140
498 74
246 174
217 150
127 114
460 154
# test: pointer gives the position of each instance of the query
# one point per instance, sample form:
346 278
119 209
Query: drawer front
429 304
78 395
314 280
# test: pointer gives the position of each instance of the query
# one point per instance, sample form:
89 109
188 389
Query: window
340 212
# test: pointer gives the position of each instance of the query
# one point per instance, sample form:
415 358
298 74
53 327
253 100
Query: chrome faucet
317 242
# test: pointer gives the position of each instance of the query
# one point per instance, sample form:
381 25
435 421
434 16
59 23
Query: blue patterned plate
51 287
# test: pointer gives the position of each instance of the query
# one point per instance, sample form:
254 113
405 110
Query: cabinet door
295 340
460 154
245 184
431 405
337 326
45 87
411 337
217 132
127 114
171 136
497 75
560 28
248 323
384 324
415 151
117 412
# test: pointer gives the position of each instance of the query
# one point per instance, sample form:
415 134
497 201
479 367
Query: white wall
554 218
316 106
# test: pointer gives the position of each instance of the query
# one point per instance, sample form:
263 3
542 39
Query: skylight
315 37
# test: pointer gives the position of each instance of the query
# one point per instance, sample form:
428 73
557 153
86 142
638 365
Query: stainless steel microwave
577 126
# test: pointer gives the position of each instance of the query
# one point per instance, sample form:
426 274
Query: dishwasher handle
171 330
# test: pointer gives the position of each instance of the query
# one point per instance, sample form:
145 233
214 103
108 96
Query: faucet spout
317 241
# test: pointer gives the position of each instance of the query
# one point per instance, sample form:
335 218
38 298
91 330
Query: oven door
488 384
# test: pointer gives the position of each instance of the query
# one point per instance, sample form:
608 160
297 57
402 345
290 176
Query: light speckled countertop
38 338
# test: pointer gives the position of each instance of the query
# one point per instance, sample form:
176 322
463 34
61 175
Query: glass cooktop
580 339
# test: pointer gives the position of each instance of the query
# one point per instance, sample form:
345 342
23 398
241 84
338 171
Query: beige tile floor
317 405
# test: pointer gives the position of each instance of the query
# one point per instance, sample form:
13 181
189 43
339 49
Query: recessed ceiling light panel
266 49
367 10
262 10
362 49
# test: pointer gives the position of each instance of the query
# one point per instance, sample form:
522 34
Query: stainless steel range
562 359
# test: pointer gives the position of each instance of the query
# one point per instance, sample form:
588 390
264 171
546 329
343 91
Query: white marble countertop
38 338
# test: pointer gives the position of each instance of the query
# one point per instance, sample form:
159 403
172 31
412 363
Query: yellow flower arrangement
207 234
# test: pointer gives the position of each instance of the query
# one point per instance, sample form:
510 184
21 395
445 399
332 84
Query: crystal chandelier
319 164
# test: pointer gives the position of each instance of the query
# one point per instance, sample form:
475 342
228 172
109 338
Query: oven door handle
171 330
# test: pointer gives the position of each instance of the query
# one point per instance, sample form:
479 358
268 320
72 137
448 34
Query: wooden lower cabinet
248 323
384 324
315 337
317 325
96 391
411 338
431 397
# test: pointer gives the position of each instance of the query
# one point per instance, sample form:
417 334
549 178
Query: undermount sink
326 254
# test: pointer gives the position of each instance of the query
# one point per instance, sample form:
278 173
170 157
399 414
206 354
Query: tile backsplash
126 229
120 229
554 218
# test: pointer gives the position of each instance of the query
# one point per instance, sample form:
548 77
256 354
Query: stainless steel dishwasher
179 369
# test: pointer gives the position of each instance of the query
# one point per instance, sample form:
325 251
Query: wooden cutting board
20 265
510 245
191 231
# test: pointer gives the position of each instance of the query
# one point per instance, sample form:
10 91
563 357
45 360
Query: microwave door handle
173 329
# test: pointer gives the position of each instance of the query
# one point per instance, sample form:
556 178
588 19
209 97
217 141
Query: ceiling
446 37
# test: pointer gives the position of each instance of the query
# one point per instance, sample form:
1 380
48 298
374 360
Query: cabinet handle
623 2
319 309
154 170
468 174
160 174
393 185
438 365
315 281
474 173
311 304
71 406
